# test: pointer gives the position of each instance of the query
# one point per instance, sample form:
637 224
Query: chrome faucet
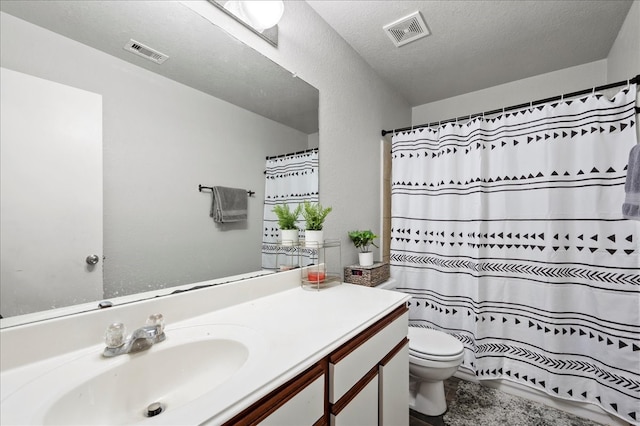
140 340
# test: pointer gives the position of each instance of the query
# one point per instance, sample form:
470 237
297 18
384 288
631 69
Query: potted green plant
287 222
362 240
314 215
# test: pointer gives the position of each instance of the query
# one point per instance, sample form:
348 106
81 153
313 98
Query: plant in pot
314 215
362 240
287 222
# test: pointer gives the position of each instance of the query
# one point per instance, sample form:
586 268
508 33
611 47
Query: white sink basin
191 362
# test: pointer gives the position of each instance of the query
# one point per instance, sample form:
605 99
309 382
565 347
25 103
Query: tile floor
418 419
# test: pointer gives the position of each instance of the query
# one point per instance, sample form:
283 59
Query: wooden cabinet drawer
305 408
360 406
301 401
351 362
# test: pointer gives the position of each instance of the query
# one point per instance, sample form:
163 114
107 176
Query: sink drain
154 409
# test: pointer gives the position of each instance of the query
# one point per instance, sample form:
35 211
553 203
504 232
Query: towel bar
200 188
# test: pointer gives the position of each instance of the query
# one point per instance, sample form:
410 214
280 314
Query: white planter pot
365 259
289 237
313 238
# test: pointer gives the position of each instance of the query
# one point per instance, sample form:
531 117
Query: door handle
92 259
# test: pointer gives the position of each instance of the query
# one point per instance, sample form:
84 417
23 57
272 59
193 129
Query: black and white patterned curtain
289 179
508 234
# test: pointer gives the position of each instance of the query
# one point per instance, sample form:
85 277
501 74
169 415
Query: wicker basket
369 276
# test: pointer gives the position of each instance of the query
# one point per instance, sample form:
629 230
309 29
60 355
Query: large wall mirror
208 115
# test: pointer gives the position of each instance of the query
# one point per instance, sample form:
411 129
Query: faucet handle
115 336
156 319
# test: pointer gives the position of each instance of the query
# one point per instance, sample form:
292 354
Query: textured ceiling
475 44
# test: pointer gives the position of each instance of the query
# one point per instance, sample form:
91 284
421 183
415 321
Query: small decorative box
369 276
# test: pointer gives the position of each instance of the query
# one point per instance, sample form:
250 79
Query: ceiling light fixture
259 14
261 17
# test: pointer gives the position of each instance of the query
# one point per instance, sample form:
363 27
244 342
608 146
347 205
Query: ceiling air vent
145 51
407 29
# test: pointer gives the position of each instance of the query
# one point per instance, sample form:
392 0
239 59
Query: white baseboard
587 411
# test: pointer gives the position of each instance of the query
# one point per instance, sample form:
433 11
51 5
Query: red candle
316 276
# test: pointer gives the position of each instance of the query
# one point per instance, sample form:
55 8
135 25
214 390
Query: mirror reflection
113 147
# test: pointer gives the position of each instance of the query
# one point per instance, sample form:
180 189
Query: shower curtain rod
292 153
634 80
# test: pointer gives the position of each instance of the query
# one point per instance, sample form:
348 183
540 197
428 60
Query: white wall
314 140
624 57
514 93
355 105
161 140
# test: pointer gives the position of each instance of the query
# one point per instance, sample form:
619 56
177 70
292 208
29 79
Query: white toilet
434 356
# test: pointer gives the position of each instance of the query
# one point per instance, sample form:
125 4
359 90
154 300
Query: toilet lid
432 343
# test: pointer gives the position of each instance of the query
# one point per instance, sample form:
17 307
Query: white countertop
300 327
291 330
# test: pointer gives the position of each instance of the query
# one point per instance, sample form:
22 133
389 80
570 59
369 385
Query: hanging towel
228 204
631 206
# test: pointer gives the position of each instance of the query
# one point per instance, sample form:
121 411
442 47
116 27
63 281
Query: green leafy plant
314 214
363 239
286 218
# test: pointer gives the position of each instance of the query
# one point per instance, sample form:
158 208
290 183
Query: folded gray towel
228 204
631 206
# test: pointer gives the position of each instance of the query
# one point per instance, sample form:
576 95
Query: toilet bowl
434 356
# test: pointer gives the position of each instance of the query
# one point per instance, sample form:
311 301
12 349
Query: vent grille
145 51
407 29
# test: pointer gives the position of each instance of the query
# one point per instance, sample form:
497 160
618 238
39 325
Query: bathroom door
51 194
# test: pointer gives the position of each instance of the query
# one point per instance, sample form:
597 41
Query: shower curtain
508 234
289 179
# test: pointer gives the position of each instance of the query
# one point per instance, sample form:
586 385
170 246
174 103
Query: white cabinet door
394 389
348 370
361 410
305 408
51 207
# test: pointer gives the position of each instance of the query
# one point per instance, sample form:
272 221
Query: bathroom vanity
263 350
358 383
